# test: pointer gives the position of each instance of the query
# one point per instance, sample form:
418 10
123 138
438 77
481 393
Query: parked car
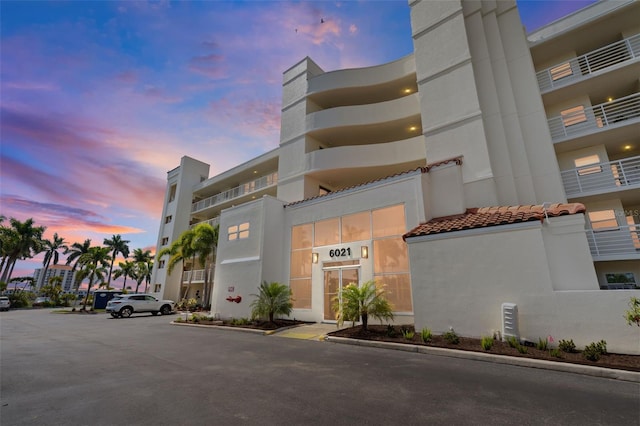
41 301
123 305
5 303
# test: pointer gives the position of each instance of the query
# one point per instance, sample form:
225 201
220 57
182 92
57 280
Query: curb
588 370
242 329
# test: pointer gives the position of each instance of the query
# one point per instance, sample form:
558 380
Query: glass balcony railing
579 120
602 177
567 72
238 191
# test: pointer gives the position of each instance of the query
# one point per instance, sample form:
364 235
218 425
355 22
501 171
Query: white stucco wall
461 281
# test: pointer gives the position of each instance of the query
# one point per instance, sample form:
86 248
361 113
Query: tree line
24 240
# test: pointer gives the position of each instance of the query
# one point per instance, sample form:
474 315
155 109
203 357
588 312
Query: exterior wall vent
510 321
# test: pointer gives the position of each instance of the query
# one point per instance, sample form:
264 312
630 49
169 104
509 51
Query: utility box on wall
510 321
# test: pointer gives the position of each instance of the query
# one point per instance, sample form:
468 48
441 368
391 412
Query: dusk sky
99 99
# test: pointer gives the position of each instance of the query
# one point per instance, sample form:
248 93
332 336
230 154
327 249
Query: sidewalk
316 331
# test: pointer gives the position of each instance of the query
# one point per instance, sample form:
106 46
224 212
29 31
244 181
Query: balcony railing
602 177
580 120
566 72
238 191
213 222
198 276
616 244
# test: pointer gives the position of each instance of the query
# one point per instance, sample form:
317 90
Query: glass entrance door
334 281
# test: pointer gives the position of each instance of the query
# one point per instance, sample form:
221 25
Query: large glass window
301 293
388 221
390 255
301 236
327 232
300 264
397 289
356 227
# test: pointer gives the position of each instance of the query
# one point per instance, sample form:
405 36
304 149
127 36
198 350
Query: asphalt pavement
62 369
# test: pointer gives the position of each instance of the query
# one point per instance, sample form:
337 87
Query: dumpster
101 297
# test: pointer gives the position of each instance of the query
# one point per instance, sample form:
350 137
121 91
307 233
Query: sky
99 99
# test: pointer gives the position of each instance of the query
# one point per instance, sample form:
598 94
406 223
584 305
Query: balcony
622 243
602 177
197 276
583 66
237 192
213 222
580 121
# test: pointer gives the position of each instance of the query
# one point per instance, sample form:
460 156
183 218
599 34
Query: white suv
5 303
123 305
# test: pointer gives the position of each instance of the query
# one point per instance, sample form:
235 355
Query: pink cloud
212 66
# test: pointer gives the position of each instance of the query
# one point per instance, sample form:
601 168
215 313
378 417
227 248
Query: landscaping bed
243 323
384 334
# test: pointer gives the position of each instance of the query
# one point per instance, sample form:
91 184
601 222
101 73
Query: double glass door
335 279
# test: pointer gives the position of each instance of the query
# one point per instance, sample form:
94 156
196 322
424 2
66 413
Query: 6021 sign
340 252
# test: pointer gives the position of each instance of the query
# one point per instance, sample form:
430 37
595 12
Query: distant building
63 271
486 168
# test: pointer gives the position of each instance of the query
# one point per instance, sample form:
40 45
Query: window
157 288
620 281
160 264
165 241
573 116
172 192
327 232
583 162
238 231
300 268
356 227
561 71
388 221
301 293
168 219
604 220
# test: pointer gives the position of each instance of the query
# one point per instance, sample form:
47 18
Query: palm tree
118 245
274 299
141 271
126 270
51 248
73 255
22 240
180 251
53 289
362 302
94 265
204 244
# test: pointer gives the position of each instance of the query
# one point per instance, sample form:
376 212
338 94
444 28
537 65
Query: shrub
360 303
487 343
195 319
567 346
178 320
513 342
633 314
542 344
272 299
425 334
522 349
391 331
408 334
594 351
451 337
556 353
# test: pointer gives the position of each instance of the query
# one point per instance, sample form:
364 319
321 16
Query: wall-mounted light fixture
364 252
314 257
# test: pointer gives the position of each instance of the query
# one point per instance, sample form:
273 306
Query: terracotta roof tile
425 169
484 217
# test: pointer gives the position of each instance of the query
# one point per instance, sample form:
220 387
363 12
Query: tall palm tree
126 270
141 271
51 248
74 253
117 245
180 251
94 264
204 244
22 240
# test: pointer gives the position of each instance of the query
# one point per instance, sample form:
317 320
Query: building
63 271
487 171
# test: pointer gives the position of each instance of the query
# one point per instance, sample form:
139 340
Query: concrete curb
588 370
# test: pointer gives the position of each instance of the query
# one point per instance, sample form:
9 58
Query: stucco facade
479 115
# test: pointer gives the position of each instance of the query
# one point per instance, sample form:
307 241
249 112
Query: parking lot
61 369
